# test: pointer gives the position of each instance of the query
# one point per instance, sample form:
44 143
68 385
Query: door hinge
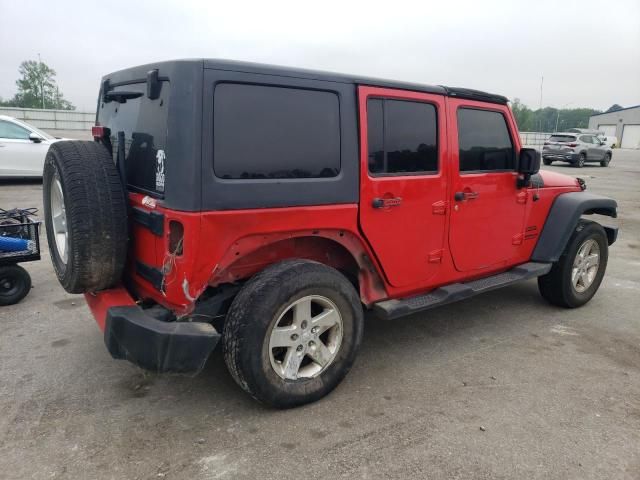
439 207
517 239
522 197
435 256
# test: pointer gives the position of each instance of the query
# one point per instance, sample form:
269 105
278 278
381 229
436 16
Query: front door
403 181
488 211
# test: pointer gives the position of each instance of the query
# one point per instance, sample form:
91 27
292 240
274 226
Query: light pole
558 116
41 80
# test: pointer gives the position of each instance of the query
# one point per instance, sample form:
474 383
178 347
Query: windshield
562 138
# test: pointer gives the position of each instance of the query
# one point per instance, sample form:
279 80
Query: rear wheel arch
338 249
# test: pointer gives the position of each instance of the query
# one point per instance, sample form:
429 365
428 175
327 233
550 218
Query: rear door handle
461 196
386 202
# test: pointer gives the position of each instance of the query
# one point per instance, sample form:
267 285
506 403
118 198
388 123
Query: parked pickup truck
268 208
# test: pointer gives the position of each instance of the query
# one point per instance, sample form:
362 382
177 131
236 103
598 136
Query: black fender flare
562 219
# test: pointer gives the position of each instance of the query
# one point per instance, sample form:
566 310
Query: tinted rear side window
265 132
402 137
484 141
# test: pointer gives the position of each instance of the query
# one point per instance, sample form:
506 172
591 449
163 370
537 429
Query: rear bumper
162 347
560 156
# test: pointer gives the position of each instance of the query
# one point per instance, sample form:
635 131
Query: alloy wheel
306 338
585 265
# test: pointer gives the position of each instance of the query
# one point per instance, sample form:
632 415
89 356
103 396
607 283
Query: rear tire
85 216
547 162
15 284
268 337
605 162
558 286
581 160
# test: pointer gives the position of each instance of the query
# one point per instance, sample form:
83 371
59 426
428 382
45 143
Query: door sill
390 309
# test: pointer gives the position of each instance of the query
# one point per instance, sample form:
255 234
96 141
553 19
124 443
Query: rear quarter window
266 132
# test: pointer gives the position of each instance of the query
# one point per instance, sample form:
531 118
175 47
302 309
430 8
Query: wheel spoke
320 354
291 364
325 320
575 276
281 336
592 260
57 222
302 311
584 278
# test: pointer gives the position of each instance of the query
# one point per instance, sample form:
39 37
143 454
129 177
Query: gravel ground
499 386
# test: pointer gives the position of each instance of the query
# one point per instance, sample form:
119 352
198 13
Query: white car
609 141
22 148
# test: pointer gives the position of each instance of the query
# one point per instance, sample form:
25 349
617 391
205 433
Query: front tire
292 333
547 161
15 284
575 278
605 162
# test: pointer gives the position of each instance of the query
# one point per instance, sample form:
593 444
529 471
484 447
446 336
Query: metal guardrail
534 139
52 119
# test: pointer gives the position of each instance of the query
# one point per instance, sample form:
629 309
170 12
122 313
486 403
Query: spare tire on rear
85 210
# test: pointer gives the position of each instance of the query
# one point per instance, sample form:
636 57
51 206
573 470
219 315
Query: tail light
98 132
572 145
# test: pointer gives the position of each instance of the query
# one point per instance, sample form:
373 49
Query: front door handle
461 196
386 202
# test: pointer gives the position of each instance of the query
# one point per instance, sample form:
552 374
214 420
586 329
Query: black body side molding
563 218
154 221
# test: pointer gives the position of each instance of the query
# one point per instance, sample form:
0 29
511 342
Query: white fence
52 120
534 139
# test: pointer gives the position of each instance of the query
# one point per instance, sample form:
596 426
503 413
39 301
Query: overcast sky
588 51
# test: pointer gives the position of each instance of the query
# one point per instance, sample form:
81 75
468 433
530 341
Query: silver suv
576 149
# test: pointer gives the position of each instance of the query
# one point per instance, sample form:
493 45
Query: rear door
488 211
403 151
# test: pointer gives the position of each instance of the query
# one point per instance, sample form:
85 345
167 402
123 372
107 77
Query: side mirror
35 138
528 164
529 161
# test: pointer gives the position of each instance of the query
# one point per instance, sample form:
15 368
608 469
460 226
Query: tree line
37 88
546 119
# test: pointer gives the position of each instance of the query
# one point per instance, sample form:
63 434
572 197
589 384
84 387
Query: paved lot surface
556 392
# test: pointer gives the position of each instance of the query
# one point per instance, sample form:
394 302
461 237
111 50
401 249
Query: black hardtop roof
265 69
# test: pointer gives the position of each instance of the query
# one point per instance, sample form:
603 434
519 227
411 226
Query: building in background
623 124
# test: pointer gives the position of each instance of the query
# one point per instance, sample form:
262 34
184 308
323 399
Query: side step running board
390 309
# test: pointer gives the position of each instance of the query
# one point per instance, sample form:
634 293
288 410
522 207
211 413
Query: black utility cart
19 242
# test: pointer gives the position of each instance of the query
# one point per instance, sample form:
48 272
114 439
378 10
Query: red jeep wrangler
270 206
